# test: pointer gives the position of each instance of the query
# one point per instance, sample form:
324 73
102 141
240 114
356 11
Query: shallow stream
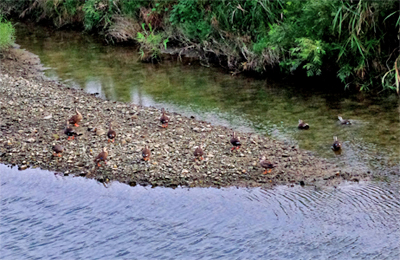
44 216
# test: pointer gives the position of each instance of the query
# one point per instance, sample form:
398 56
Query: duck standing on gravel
344 121
336 146
70 132
146 153
235 141
303 125
57 150
164 119
101 157
198 153
111 134
266 165
75 119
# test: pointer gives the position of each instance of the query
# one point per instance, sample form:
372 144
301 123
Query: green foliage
350 34
132 7
150 42
251 17
7 34
309 52
192 19
98 13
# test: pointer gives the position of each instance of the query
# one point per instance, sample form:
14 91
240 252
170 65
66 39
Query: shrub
6 34
98 13
192 19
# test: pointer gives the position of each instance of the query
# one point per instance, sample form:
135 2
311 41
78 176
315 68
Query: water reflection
244 103
45 216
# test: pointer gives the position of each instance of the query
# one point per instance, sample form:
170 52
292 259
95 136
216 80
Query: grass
6 34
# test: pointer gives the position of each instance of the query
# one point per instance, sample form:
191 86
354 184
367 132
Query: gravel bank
33 112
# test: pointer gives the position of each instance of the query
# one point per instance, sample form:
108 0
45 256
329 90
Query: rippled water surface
44 216
243 103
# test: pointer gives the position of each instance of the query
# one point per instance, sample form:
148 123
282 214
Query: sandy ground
34 111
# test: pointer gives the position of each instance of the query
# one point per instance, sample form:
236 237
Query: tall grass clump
60 12
6 34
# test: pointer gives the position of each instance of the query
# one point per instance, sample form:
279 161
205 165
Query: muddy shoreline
34 110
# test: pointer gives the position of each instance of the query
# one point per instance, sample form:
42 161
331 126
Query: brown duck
111 134
303 125
344 121
198 153
101 157
336 146
235 141
75 119
164 119
266 165
57 150
70 132
146 153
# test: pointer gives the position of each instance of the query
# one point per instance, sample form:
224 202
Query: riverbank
357 42
34 110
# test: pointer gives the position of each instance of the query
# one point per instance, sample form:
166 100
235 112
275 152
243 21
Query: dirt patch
34 111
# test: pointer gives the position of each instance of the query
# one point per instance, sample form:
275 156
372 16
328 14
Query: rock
100 132
23 167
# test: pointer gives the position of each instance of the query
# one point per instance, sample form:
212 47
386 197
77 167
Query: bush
191 17
98 13
6 34
356 37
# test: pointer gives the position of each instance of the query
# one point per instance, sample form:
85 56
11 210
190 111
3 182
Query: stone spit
34 110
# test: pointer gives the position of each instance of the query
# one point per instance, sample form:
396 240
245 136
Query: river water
45 216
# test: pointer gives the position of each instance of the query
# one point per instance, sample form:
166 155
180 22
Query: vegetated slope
356 40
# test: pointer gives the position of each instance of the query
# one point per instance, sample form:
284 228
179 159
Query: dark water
372 142
44 216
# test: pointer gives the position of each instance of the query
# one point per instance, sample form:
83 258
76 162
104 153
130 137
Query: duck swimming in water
344 121
336 146
303 125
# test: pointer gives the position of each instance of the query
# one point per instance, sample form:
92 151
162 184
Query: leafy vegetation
355 40
6 34
150 43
